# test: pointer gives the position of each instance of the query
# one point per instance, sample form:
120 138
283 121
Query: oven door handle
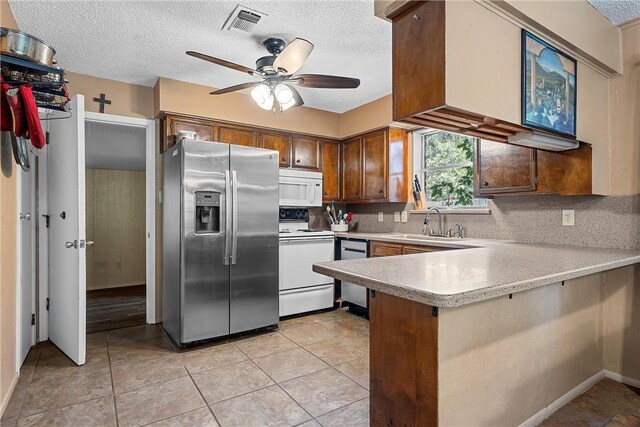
316 239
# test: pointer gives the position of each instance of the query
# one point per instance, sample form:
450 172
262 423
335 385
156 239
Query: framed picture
549 79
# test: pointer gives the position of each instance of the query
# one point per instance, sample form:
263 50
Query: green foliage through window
448 168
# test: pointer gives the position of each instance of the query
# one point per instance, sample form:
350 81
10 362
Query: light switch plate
380 216
568 217
404 216
396 217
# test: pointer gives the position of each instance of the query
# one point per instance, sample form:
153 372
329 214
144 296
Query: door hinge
47 304
46 220
33 319
535 181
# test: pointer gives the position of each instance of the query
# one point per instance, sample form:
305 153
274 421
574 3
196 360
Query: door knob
70 245
89 243
26 216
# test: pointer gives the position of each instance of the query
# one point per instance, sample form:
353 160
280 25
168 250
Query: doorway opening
116 225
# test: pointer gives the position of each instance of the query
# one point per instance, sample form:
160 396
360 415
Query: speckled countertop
479 270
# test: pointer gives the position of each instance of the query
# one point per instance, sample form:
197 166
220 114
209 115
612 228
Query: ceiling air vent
243 19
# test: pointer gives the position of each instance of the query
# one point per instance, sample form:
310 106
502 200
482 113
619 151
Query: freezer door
254 266
205 204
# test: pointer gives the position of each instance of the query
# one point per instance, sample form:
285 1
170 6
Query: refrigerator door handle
227 221
234 222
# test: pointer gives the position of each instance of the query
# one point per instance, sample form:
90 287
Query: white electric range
301 289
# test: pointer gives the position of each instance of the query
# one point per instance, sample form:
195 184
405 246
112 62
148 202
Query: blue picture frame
549 87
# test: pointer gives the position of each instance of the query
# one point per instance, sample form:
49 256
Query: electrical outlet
380 216
396 217
404 216
569 217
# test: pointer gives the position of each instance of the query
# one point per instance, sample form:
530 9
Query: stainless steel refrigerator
219 240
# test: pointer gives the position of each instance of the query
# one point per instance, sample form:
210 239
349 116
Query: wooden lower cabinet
404 362
379 249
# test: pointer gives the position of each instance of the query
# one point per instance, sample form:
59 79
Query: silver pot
23 45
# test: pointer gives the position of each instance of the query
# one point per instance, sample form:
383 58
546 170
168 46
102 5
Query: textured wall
612 222
8 256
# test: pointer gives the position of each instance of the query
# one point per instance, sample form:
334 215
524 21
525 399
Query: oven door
300 192
297 256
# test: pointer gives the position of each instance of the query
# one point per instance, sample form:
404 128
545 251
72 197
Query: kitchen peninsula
493 332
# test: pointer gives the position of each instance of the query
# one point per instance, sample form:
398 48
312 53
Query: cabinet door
504 168
419 249
237 135
280 142
306 153
352 169
204 129
380 249
330 171
374 147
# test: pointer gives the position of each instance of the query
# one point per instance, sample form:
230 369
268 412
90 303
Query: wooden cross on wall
102 101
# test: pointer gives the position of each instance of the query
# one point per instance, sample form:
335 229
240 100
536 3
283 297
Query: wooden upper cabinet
418 79
306 153
238 135
280 142
352 169
330 171
504 168
375 160
172 125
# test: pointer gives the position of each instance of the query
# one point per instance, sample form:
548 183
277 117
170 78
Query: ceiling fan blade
234 88
325 82
222 62
293 56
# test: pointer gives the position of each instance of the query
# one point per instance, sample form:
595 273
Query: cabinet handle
357 193
297 160
381 191
283 159
485 183
326 193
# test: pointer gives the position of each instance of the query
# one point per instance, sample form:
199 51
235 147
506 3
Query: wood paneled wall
115 201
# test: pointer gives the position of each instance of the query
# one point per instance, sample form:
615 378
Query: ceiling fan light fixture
262 96
284 95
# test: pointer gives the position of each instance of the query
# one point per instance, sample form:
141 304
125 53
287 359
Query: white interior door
67 252
26 242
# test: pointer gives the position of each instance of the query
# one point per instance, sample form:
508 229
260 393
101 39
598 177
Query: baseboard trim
563 400
5 399
622 379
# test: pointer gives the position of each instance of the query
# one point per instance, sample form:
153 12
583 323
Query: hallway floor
116 308
313 371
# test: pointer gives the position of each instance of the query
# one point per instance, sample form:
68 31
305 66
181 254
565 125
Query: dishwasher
355 295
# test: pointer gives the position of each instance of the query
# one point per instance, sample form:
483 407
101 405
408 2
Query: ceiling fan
275 91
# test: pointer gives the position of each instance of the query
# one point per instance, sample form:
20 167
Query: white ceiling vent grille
243 19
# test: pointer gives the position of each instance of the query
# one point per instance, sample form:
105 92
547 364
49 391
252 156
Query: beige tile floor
313 371
608 403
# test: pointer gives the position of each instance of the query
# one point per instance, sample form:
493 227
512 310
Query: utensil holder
340 227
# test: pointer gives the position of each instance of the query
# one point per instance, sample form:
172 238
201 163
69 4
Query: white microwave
300 188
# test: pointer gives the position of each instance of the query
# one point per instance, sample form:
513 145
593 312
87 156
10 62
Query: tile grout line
279 386
206 403
113 388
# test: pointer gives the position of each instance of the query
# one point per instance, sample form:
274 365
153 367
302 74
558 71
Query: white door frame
150 181
19 260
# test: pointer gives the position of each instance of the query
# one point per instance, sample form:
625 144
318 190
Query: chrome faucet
459 230
428 231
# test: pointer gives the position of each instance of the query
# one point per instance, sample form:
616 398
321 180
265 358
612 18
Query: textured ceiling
138 41
618 11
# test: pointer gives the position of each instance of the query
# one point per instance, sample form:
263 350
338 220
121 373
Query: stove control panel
294 214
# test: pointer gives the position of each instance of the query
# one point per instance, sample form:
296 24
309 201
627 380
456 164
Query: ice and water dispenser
207 212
